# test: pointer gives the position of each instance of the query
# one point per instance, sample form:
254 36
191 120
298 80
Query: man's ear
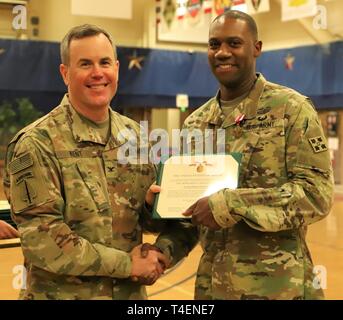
258 49
117 67
64 73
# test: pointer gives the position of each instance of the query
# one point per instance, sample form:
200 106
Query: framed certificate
185 179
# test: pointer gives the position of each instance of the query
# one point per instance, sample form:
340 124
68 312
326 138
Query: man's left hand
202 214
146 247
148 264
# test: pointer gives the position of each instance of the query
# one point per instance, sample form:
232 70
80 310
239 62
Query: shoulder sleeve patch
23 162
28 186
318 144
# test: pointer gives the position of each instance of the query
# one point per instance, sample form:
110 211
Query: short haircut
235 14
80 32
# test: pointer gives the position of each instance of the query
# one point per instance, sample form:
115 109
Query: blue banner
153 78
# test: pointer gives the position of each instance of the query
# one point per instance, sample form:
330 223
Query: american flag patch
23 162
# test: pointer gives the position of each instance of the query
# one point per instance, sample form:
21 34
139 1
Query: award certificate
185 179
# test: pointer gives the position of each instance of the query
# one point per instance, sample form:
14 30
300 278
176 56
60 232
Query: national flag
257 6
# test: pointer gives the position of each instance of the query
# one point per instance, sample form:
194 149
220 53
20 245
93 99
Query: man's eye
84 64
213 44
235 43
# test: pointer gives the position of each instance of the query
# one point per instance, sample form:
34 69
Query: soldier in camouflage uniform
253 237
78 209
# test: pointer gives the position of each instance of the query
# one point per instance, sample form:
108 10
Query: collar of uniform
248 106
81 131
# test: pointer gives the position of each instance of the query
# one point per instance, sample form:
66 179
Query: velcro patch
24 176
23 162
318 144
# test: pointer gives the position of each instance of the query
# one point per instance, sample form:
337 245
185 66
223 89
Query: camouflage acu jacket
78 209
285 184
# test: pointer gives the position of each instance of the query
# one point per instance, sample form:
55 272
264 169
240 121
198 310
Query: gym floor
325 240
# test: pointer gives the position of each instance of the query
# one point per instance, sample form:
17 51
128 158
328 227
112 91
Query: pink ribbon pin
239 118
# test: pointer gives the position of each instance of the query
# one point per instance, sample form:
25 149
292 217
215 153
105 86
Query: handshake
148 264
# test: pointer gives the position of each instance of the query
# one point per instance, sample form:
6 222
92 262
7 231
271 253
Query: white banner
257 6
117 9
296 9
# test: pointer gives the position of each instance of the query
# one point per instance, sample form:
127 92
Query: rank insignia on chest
318 144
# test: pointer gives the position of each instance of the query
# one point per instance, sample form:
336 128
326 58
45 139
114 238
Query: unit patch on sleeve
318 144
24 188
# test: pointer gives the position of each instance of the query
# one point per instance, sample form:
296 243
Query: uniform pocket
95 184
264 156
129 182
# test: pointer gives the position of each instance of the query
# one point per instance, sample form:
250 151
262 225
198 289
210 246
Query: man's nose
224 51
97 71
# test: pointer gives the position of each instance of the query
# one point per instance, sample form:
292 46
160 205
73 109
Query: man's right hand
151 193
7 231
147 265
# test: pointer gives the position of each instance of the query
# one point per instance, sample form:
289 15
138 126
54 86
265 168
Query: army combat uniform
285 184
79 210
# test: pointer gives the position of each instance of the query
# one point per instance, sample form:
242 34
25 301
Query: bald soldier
78 207
254 237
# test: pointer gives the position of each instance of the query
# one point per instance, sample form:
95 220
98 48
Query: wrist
148 206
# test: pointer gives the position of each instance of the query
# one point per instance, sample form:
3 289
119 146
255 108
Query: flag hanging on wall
194 7
296 9
184 20
195 11
207 6
220 6
181 9
169 12
257 6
